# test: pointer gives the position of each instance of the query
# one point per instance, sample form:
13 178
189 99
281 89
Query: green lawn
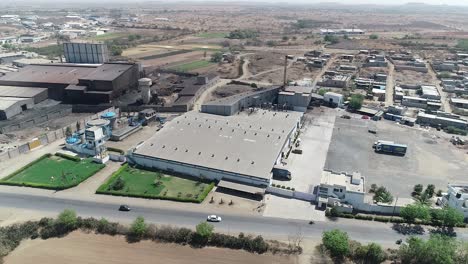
192 66
212 35
150 184
110 36
53 172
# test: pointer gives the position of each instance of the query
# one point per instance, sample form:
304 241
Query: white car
213 218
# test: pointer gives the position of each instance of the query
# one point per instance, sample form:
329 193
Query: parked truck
383 146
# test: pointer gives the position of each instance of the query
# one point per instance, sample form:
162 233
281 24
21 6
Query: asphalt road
269 227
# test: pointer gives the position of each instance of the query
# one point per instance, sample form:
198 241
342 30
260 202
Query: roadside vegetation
204 235
53 172
51 52
438 249
135 182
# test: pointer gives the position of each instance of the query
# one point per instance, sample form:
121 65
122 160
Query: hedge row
384 219
283 187
69 157
11 175
120 151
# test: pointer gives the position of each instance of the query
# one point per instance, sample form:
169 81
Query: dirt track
90 248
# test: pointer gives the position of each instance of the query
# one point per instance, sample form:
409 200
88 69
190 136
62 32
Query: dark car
124 208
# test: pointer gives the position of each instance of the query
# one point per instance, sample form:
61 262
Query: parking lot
430 159
306 168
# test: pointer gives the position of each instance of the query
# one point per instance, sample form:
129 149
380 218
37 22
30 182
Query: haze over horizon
373 2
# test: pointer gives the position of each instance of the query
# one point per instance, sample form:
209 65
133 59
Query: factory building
93 53
430 92
11 106
296 98
77 83
437 120
233 104
333 99
240 150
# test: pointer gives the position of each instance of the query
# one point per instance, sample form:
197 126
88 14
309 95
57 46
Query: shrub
69 157
381 219
364 217
204 229
345 215
138 228
336 242
120 151
373 36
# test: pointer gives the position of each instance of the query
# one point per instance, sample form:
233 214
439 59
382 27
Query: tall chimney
285 71
145 84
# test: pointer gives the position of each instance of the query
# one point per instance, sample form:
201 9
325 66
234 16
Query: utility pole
394 208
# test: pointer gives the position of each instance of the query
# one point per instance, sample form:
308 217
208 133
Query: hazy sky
386 2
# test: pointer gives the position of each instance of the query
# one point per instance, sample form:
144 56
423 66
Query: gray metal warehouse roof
242 144
18 91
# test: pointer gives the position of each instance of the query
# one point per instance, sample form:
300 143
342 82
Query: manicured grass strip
212 35
154 185
192 66
110 36
53 172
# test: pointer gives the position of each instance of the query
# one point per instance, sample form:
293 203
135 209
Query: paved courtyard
306 168
291 209
430 158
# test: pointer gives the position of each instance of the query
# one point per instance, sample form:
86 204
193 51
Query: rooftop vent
238 160
186 150
175 149
253 162
164 146
226 158
232 130
199 153
255 133
212 155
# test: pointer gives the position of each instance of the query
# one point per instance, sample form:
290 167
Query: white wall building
341 188
457 197
241 148
333 98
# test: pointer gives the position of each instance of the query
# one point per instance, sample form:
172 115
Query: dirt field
297 71
90 248
412 78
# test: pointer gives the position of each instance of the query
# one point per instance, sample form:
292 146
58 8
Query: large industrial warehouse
240 151
77 83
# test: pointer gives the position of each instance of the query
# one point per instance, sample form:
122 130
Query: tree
411 212
217 57
139 227
370 254
356 101
116 50
271 43
78 126
417 189
336 242
204 229
373 36
438 249
331 39
285 38
451 217
381 195
430 190
423 199
67 219
68 131
119 184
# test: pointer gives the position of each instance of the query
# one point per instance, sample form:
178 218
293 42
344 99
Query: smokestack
145 84
285 70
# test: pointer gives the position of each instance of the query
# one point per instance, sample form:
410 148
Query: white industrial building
338 188
332 98
430 92
239 150
457 198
